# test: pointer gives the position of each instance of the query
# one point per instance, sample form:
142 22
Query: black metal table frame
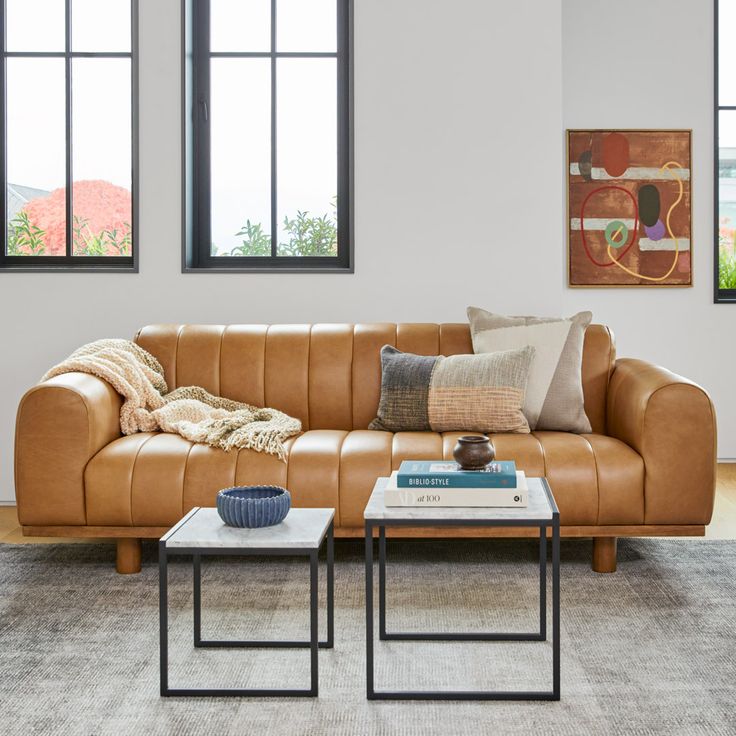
314 644
541 635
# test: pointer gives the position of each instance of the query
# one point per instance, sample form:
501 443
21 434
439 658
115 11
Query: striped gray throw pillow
466 393
554 396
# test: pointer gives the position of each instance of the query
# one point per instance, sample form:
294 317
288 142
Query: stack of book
442 483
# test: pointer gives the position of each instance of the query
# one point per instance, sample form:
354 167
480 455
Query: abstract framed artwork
629 208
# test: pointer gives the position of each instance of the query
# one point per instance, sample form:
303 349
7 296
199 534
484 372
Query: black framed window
267 135
725 151
67 126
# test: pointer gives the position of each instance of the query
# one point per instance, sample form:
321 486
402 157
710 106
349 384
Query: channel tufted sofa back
328 375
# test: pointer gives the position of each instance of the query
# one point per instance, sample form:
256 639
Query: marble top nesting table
201 533
540 513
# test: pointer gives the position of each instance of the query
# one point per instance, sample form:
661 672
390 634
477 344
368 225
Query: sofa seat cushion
153 479
595 479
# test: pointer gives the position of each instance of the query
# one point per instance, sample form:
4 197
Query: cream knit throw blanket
190 411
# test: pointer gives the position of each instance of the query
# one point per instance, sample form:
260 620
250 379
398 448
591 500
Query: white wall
459 188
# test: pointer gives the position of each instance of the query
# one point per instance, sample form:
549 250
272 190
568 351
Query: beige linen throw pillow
554 393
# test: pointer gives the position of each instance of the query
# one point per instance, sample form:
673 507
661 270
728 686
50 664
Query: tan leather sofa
648 467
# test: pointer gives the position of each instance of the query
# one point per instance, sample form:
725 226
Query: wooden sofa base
604 537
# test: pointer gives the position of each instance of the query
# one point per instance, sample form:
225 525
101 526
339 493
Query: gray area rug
647 650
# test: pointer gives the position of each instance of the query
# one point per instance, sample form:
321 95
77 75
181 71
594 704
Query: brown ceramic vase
473 453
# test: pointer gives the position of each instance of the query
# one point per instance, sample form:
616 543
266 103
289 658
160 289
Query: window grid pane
725 165
36 159
241 157
240 26
102 207
306 25
23 30
307 157
101 26
726 53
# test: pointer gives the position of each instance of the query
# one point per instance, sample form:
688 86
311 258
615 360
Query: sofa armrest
61 424
671 423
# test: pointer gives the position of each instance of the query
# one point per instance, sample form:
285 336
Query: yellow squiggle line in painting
669 230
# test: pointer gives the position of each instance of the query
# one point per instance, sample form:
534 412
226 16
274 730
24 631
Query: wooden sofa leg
128 556
604 554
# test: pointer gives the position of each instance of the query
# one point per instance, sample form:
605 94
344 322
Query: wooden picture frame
629 208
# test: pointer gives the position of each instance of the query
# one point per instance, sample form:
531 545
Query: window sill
322 270
69 269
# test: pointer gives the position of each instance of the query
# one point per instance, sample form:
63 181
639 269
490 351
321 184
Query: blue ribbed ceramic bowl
253 506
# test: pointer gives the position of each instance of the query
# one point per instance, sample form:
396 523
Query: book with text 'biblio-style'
444 474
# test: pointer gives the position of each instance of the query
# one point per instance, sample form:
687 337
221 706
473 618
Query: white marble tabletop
203 528
538 508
